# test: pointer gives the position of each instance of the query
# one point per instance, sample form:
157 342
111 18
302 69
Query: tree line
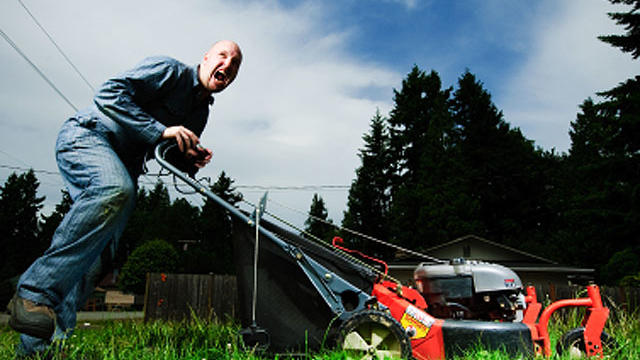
161 235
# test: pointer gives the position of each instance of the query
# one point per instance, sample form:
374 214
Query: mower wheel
572 343
373 335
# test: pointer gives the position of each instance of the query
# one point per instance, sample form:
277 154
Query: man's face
220 66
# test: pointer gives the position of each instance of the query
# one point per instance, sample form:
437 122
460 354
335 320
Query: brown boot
31 318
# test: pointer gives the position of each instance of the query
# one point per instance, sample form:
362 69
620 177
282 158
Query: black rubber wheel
572 343
373 335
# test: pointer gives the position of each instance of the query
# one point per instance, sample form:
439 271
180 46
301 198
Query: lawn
198 340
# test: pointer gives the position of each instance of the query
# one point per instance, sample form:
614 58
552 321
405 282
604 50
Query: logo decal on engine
416 322
509 283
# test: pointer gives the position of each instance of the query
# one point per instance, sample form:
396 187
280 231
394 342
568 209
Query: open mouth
220 75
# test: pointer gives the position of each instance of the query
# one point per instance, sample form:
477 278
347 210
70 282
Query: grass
198 340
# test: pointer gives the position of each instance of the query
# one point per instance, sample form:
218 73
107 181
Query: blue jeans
103 193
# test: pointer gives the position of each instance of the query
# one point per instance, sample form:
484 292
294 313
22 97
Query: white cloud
567 64
291 118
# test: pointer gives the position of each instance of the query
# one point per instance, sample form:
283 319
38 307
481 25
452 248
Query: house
531 269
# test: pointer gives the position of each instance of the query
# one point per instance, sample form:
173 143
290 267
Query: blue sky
314 74
448 35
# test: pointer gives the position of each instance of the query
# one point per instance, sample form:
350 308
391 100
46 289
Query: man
100 153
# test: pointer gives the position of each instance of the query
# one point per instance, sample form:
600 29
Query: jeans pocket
74 135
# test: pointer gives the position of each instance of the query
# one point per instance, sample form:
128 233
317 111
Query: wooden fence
178 296
616 298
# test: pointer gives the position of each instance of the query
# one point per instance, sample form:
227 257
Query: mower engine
464 289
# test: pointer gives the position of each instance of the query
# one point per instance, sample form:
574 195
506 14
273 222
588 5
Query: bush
631 280
621 264
152 256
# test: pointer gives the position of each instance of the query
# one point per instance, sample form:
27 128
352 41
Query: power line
14 157
46 172
294 187
149 181
35 67
56 45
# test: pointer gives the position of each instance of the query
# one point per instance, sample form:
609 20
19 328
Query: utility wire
294 187
148 180
47 172
35 67
14 157
56 45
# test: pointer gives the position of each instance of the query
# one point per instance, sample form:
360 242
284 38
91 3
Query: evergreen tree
317 223
602 214
630 41
185 219
504 188
424 192
19 206
215 251
133 234
368 200
158 214
49 224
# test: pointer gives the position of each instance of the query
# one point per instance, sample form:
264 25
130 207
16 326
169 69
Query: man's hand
200 156
185 138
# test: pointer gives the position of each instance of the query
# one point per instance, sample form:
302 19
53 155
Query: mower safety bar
593 322
328 284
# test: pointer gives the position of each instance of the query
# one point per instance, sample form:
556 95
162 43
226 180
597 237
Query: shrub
152 256
621 264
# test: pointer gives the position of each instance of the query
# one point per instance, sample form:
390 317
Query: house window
466 251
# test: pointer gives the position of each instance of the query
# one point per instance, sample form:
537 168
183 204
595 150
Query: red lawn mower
297 295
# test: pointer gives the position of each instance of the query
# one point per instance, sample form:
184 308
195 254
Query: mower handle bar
159 155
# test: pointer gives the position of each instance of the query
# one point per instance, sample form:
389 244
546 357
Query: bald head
220 65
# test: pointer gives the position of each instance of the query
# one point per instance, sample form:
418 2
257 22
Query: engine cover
486 277
464 289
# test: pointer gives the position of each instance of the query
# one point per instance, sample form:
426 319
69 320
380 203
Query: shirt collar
198 88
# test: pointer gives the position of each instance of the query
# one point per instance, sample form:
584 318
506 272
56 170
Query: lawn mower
298 294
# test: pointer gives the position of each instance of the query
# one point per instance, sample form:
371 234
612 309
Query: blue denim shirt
133 109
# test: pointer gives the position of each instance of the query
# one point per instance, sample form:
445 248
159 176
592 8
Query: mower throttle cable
364 236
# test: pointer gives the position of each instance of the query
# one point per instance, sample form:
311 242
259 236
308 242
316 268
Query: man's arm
119 99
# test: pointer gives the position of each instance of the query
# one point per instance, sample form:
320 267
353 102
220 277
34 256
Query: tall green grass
196 339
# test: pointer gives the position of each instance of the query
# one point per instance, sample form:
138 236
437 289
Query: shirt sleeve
120 97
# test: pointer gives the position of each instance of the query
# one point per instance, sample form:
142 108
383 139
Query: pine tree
422 155
215 251
150 220
158 210
133 234
49 224
630 41
19 206
504 186
603 207
318 224
185 219
368 199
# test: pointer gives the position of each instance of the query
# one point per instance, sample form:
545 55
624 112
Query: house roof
515 259
472 238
